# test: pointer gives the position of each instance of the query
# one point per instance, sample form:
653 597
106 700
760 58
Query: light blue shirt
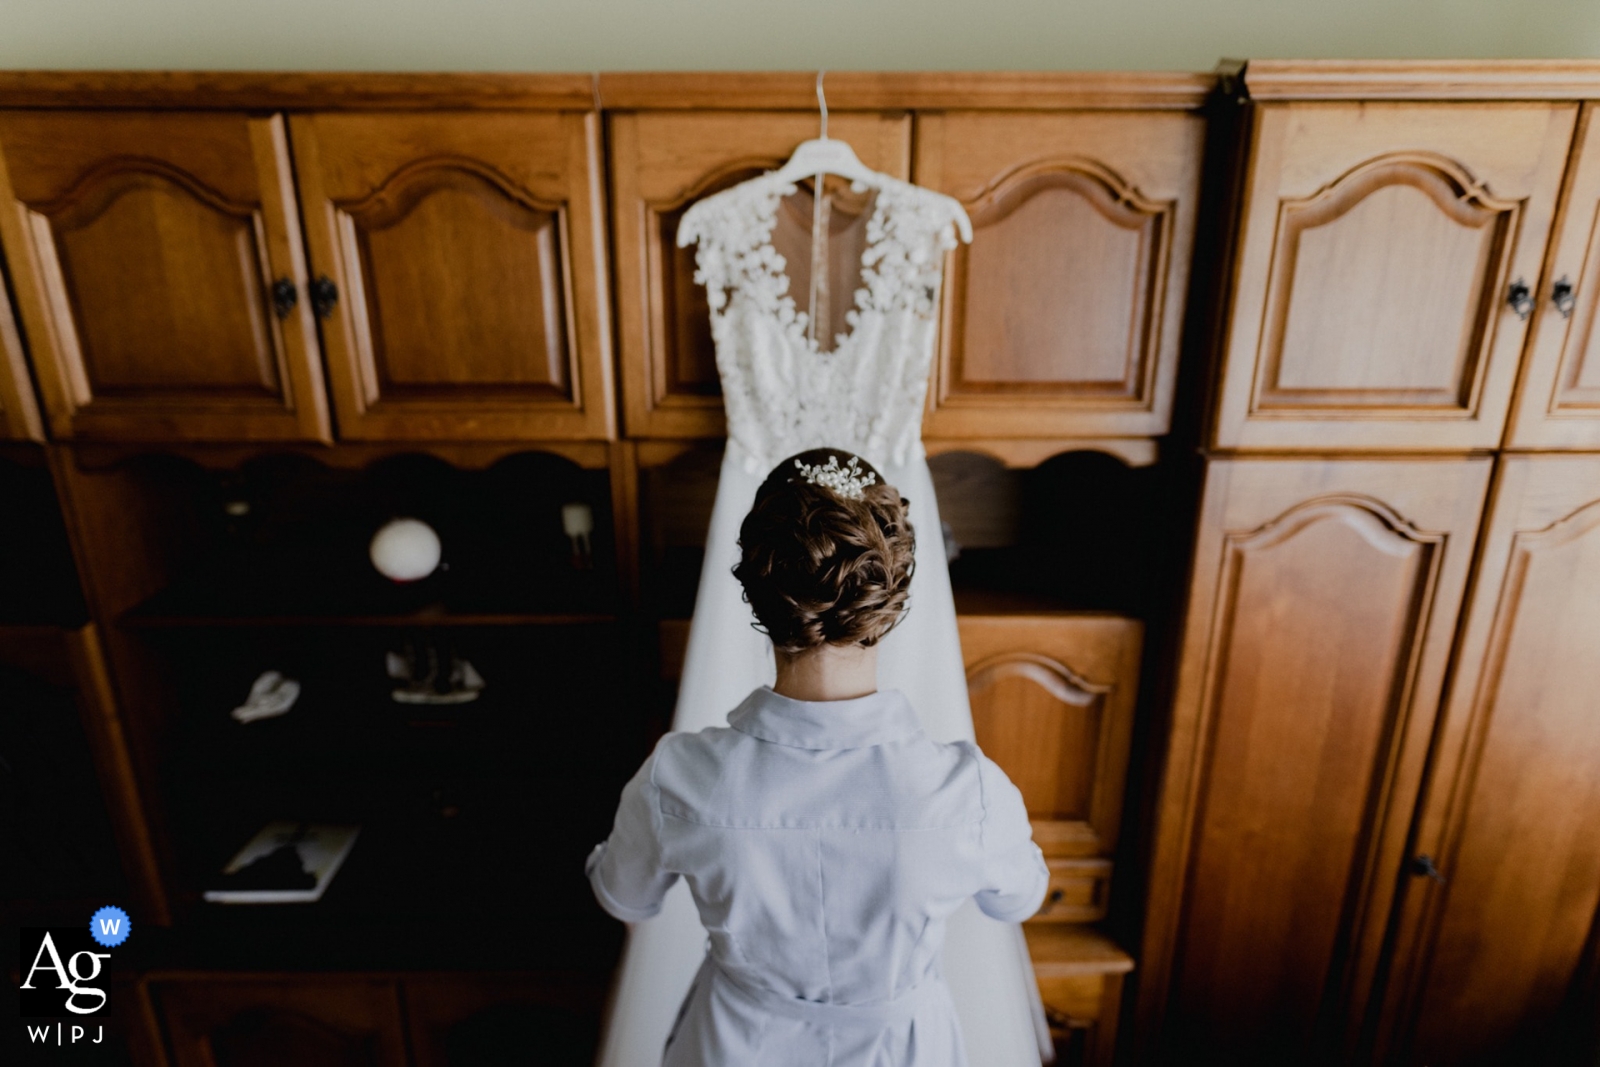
825 845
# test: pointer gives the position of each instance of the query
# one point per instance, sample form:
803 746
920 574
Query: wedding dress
784 393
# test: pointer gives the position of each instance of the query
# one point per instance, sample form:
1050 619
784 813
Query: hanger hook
822 102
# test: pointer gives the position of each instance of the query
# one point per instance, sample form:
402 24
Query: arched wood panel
1404 256
142 250
468 252
1322 606
427 323
1283 845
145 249
1491 964
1378 250
1063 317
1052 704
662 162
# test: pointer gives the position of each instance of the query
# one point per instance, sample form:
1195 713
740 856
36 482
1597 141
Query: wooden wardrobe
1376 835
1265 416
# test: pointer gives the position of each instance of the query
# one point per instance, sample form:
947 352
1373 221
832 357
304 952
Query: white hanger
824 155
827 156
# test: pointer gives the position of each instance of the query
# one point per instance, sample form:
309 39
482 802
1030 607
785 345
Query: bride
793 380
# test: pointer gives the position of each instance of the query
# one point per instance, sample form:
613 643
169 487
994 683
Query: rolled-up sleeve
627 870
1015 876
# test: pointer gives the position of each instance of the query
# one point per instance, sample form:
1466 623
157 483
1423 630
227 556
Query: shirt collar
875 719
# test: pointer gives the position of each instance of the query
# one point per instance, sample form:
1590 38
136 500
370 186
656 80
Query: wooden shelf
1062 949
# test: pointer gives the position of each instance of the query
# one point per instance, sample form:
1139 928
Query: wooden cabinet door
1558 402
1322 604
19 413
1052 703
661 162
1380 249
468 254
1063 316
146 250
1491 960
308 1020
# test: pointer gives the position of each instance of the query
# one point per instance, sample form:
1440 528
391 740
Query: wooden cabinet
1387 260
461 272
1063 316
159 276
1080 973
220 1021
19 412
1052 704
661 162
1558 402
1492 963
1322 605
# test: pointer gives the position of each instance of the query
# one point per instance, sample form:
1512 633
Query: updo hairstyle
820 568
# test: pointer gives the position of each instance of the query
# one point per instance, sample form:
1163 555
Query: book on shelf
284 863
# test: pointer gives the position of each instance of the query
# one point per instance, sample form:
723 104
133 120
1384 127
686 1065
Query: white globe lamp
405 550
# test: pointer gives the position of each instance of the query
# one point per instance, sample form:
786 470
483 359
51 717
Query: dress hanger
824 155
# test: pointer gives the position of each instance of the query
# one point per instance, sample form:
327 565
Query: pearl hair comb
846 482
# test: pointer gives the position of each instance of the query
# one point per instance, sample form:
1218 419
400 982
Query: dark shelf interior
283 540
1081 532
38 581
468 809
56 843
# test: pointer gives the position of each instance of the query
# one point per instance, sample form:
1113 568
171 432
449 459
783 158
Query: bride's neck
831 672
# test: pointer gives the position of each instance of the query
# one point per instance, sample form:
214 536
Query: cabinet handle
1055 897
1520 297
285 295
1564 296
1424 865
324 294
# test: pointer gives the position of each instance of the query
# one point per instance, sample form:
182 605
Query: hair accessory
846 481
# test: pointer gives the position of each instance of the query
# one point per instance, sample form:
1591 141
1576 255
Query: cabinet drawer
1078 893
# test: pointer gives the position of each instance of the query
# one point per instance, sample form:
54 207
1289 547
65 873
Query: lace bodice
782 393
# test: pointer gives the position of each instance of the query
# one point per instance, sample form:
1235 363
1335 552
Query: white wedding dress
783 395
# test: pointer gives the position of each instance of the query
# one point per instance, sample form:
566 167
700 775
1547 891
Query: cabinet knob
1563 295
1055 897
1424 866
285 295
324 294
1520 297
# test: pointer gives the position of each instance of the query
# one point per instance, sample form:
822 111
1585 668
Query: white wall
766 35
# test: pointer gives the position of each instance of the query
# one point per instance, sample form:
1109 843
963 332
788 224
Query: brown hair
819 568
